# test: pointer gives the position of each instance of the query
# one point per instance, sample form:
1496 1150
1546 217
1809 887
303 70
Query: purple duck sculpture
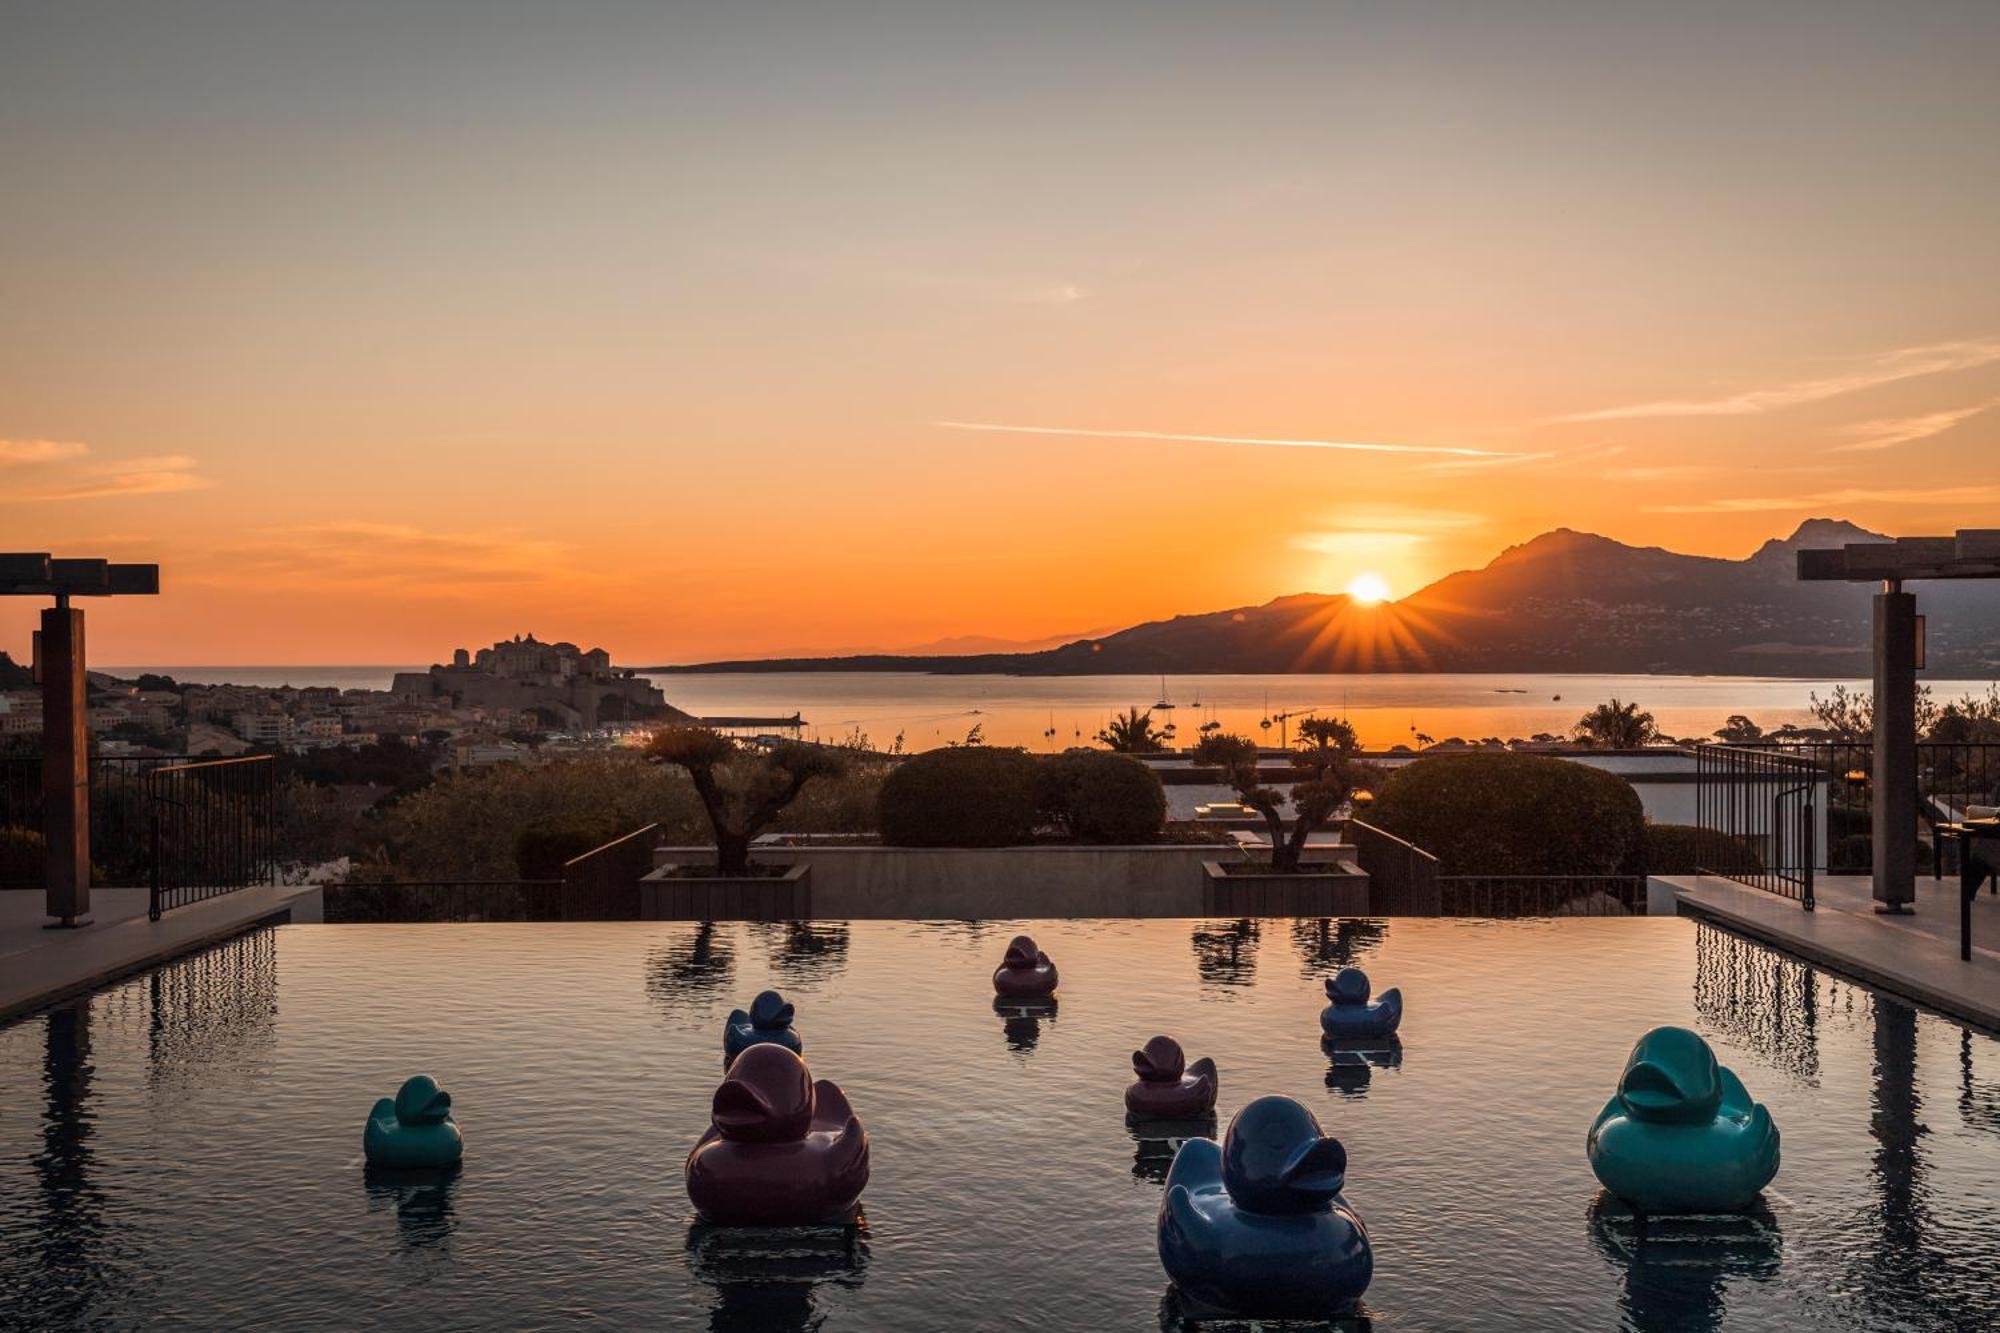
783 1150
1026 973
1168 1087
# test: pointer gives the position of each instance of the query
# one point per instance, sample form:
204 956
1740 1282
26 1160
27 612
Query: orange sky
391 331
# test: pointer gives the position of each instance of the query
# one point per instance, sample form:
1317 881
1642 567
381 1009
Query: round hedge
962 796
1689 849
1101 798
1501 813
545 845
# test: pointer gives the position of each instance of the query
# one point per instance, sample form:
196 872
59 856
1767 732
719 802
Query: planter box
786 897
1329 890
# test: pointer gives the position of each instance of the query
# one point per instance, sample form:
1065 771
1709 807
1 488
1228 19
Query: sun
1368 589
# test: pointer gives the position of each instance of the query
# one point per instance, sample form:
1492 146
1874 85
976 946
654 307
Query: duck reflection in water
768 1279
1178 1315
697 968
804 953
1677 1270
425 1216
1156 1141
1352 1061
1021 1020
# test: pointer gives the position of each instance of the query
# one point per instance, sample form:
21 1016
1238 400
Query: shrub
24 856
962 796
1502 813
543 845
1688 849
1855 855
1105 798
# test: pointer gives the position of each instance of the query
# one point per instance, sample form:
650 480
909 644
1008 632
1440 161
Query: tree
1325 768
1849 715
742 789
1616 726
1739 730
1131 732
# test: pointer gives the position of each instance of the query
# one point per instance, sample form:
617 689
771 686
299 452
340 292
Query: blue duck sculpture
769 1020
1351 1014
1681 1134
1256 1226
414 1130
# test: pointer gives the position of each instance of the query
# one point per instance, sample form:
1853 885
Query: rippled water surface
184 1149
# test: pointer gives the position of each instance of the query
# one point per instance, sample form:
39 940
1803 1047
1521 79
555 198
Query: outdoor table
1978 857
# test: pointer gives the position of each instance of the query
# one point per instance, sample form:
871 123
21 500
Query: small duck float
1026 973
1168 1087
1351 1015
413 1131
1257 1227
782 1151
1681 1134
769 1020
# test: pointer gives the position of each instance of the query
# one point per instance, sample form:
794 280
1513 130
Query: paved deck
1913 956
40 967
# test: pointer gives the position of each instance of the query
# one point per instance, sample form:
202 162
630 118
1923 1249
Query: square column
65 767
1895 805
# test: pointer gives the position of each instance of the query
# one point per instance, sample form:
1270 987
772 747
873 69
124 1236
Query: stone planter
665 896
1330 889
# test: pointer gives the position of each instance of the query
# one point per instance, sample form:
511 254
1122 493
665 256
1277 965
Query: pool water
183 1149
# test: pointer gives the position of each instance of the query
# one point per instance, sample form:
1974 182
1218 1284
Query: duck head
1276 1160
1160 1061
767 1097
1021 952
1348 986
1671 1078
770 1010
420 1101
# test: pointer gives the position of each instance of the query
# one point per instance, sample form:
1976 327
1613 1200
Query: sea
1055 712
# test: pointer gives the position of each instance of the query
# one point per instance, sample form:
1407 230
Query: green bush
544 845
1688 849
1855 855
1103 798
964 796
24 856
1502 813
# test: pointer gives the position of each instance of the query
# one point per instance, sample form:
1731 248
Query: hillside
1564 601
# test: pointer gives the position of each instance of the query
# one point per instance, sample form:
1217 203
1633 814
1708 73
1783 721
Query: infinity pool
183 1149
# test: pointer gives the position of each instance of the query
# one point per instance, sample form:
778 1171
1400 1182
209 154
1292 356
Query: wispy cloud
1253 441
1892 431
146 475
14 452
391 557
1382 531
1825 499
1886 368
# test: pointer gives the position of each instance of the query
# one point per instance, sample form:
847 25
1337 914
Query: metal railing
118 828
1402 877
1763 800
1541 895
212 829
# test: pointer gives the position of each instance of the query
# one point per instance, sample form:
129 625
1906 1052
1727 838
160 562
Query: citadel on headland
566 687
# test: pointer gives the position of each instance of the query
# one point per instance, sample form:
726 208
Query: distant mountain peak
1813 532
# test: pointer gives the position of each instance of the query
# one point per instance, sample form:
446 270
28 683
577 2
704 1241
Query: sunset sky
731 329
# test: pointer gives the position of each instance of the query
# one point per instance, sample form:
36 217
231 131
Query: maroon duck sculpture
1026 973
782 1151
1168 1087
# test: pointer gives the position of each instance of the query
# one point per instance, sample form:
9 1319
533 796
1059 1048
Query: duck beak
1650 1087
738 1106
1318 1167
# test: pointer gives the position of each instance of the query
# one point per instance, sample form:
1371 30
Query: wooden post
65 766
1895 805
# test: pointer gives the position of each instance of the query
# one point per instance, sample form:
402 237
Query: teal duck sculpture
1681 1134
414 1130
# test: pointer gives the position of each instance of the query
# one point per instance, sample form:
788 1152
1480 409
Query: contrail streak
1355 446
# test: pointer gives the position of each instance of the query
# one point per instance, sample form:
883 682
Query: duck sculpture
1352 1015
1026 973
1168 1087
1681 1134
1256 1227
769 1019
782 1150
414 1129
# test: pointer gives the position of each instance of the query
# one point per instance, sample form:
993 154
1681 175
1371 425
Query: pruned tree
1323 761
742 788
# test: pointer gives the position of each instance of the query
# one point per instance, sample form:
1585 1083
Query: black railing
1541 895
1402 877
1764 800
444 900
118 828
212 828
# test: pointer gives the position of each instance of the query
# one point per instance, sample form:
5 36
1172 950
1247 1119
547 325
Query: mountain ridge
1562 601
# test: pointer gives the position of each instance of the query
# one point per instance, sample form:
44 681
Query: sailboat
1165 704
